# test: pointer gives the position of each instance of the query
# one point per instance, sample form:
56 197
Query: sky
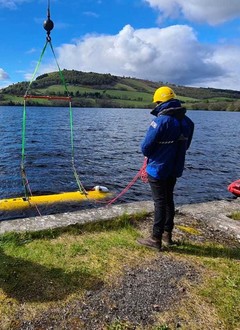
184 42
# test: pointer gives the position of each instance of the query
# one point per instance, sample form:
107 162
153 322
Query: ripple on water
107 152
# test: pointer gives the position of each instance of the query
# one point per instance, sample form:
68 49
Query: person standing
165 145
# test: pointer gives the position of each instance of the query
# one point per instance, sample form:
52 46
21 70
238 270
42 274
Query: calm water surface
107 152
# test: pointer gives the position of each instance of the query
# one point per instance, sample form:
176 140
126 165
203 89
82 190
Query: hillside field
108 91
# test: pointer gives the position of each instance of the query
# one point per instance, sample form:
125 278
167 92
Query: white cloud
172 54
90 14
31 51
11 4
205 11
3 75
227 57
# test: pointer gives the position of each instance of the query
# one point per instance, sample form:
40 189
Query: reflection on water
107 152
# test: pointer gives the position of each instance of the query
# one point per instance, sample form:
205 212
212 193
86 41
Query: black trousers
164 208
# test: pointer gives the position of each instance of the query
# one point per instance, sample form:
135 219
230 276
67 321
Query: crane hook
48 25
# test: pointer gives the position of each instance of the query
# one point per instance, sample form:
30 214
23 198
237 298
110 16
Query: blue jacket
167 140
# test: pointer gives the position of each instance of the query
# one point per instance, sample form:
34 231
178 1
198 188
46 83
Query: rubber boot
151 242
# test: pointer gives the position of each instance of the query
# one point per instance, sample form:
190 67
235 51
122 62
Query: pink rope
141 174
144 176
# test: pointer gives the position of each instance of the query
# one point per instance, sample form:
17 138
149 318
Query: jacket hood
171 108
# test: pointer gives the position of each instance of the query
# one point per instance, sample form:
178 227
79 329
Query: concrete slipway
215 214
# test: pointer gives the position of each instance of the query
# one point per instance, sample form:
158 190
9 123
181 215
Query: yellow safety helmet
163 94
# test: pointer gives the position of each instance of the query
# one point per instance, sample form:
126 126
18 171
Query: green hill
106 90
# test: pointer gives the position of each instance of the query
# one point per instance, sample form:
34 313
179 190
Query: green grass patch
189 230
235 215
187 99
41 268
220 287
124 87
223 290
49 269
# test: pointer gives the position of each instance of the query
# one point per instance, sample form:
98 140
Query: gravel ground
138 295
143 291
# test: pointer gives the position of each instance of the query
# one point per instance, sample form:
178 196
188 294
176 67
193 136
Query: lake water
107 152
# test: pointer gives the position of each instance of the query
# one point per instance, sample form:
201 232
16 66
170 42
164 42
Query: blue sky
192 43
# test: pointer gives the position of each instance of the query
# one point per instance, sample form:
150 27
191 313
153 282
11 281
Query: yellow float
19 203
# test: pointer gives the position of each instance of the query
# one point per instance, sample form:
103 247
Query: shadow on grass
26 281
208 250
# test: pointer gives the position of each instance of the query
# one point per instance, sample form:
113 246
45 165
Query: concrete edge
71 218
214 213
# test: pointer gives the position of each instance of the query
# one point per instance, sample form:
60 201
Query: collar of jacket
178 112
172 108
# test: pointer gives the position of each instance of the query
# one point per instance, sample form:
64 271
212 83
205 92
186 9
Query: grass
235 215
217 297
48 269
